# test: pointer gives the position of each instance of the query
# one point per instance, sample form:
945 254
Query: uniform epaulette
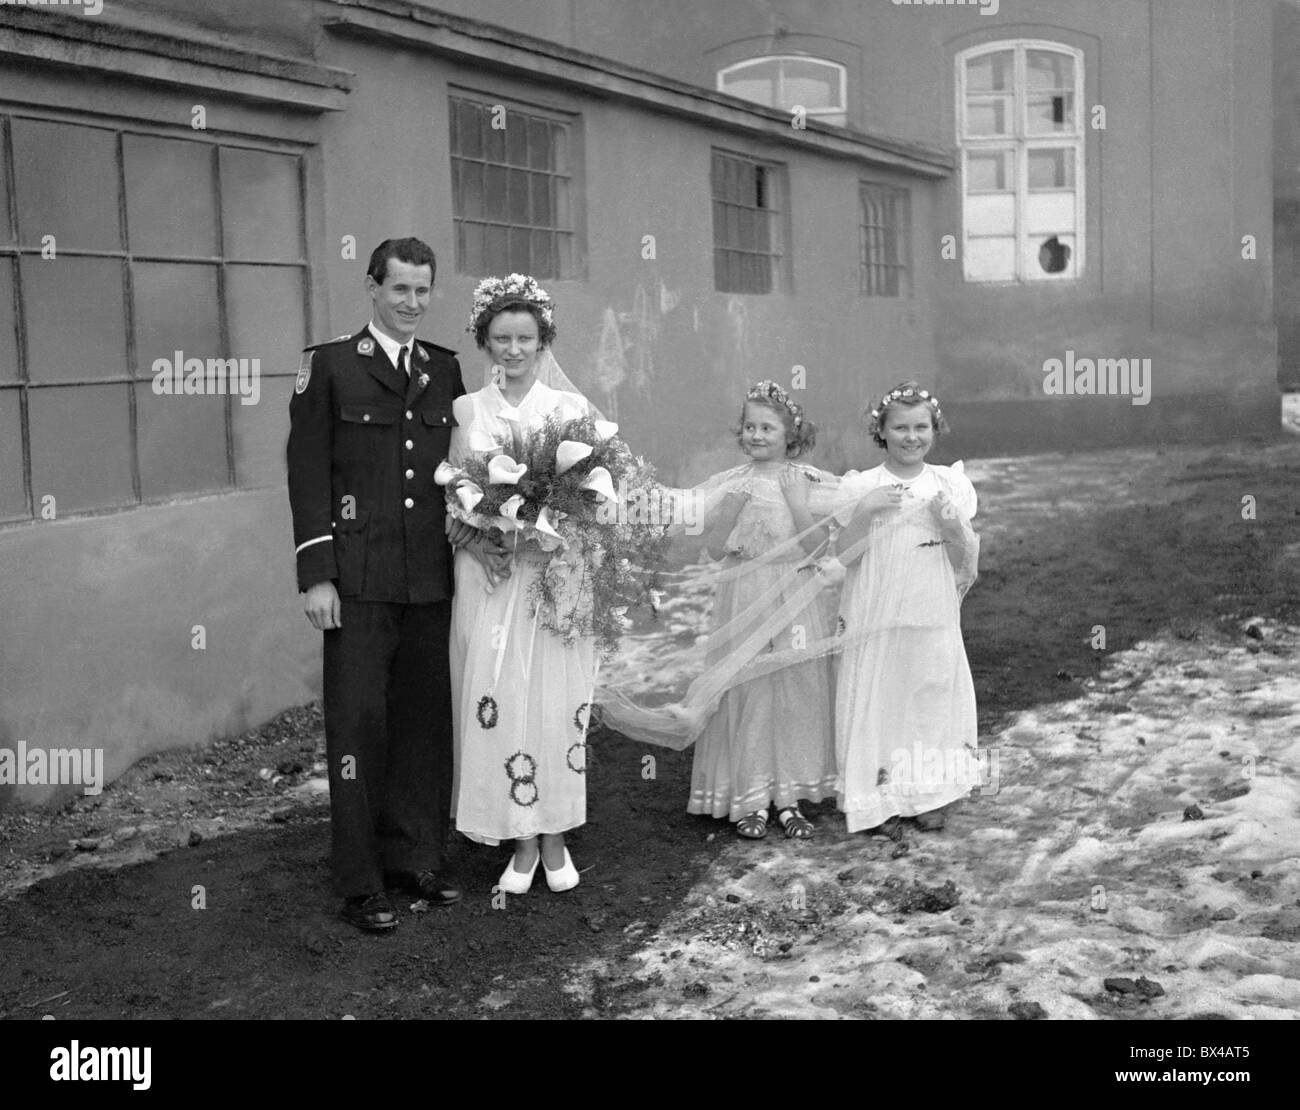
329 342
435 347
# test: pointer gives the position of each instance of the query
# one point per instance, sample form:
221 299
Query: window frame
571 121
899 200
824 115
14 249
778 260
1020 142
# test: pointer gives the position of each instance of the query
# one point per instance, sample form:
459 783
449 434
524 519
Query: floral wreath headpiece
512 286
772 394
911 396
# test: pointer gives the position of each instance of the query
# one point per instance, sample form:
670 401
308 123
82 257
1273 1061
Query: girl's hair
800 432
545 326
908 394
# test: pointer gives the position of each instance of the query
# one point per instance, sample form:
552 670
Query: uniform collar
391 346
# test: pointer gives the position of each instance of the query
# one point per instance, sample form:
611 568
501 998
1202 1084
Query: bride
521 694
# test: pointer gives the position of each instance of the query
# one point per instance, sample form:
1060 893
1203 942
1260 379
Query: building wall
1178 177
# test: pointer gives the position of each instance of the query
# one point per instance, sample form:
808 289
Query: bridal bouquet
566 486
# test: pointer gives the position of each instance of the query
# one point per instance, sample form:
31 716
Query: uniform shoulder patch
304 372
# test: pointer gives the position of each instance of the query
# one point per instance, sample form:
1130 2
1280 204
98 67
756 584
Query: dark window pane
175 310
67 185
517 212
471 190
8 330
560 194
494 138
560 136
496 252
543 255
470 130
543 214
13 502
260 431
517 139
81 446
264 306
260 205
182 442
171 205
518 251
495 203
6 231
473 261
75 318
539 144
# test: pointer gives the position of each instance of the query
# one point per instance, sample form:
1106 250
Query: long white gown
905 719
521 695
770 740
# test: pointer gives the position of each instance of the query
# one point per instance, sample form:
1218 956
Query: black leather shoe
372 913
429 885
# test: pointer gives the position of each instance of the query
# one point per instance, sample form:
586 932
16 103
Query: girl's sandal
796 825
753 826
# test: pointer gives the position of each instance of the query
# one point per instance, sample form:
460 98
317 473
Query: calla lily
544 524
599 481
469 495
547 537
504 471
446 473
605 428
510 508
569 454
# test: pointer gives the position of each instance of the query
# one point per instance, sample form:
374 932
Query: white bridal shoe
518 882
562 878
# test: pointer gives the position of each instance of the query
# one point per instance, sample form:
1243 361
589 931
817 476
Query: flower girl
770 740
905 723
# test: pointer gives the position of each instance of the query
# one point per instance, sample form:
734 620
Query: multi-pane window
789 81
120 249
748 224
884 234
512 190
1022 144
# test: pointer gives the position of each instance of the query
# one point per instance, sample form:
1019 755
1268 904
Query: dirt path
97 902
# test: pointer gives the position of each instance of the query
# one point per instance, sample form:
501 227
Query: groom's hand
322 607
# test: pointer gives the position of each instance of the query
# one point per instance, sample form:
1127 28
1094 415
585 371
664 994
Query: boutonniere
424 380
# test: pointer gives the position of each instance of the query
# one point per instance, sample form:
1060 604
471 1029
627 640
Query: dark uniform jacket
363 446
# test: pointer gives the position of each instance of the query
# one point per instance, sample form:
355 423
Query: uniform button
409 444
408 414
410 504
410 473
366 417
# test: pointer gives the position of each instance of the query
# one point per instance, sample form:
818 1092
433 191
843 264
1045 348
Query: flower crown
772 394
909 395
493 289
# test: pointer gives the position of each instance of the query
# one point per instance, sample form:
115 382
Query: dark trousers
388 740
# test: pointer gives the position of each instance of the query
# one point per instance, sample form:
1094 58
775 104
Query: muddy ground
99 901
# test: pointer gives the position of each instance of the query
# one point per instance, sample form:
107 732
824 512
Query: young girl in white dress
770 741
521 694
905 723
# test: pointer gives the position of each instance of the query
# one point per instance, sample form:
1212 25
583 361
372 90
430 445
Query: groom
370 419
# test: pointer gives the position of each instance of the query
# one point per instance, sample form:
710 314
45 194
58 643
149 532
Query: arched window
788 81
1020 130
